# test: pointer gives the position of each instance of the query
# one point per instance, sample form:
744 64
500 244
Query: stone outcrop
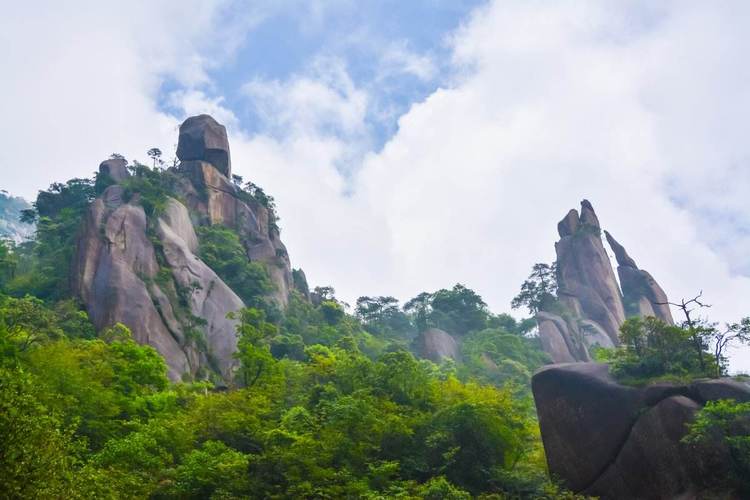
114 270
214 199
145 273
203 138
590 308
616 442
437 345
115 168
642 295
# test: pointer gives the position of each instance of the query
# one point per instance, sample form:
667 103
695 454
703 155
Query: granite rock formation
616 442
590 308
144 271
437 345
203 138
642 295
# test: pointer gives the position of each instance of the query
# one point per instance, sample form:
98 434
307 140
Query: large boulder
203 138
437 345
617 442
584 416
115 168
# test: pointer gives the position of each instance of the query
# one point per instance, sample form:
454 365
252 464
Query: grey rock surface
436 345
145 272
203 138
209 297
617 442
115 168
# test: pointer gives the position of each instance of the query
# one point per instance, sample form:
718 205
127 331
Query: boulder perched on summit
138 257
203 138
115 168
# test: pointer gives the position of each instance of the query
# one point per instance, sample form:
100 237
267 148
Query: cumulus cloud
81 79
640 109
552 103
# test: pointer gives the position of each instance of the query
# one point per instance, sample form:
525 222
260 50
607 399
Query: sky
414 145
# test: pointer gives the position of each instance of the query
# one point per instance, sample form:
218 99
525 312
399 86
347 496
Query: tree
699 333
722 339
420 307
539 289
322 293
221 249
382 316
459 310
724 424
155 155
253 346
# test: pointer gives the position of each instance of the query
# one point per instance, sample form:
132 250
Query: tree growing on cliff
539 289
155 155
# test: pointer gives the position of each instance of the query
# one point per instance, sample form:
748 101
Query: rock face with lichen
591 305
611 441
145 272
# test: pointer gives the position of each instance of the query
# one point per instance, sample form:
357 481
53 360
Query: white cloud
557 102
80 80
323 102
398 58
642 110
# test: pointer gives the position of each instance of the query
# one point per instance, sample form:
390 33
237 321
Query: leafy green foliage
100 420
44 265
651 349
457 311
724 424
253 346
498 356
221 249
152 186
383 317
539 290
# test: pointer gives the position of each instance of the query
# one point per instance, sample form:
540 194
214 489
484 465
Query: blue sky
287 41
412 145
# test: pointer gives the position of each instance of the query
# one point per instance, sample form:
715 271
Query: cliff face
144 271
616 442
590 306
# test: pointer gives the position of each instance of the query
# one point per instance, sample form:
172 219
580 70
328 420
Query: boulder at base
611 441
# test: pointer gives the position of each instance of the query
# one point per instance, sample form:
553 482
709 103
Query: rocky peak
591 306
642 295
144 271
202 138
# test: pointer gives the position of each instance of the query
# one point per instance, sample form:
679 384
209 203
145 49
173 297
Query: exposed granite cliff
144 271
617 442
590 308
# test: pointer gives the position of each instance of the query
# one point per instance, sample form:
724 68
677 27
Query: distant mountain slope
10 211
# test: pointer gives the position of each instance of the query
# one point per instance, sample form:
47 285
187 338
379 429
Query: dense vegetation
325 404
